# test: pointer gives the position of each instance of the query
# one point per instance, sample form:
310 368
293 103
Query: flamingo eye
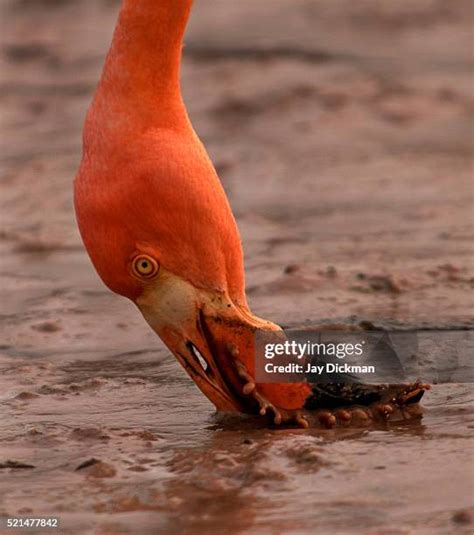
145 267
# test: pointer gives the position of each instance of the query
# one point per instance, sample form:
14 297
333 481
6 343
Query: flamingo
157 224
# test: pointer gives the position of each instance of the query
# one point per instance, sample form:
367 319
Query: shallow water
167 460
341 134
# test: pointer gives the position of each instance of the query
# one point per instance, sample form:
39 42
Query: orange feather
146 181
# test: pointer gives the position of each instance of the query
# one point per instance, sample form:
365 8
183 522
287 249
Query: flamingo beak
211 336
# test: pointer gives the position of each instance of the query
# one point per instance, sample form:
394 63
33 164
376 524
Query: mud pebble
291 268
26 395
367 325
327 419
360 416
46 327
343 415
462 517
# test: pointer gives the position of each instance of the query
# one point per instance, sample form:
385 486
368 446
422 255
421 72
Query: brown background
342 133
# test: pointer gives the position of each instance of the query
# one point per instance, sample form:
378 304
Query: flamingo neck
140 80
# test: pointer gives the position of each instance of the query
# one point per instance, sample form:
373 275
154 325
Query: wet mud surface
342 133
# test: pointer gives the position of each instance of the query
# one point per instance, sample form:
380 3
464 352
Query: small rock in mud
367 325
46 327
462 517
16 465
96 468
291 268
26 396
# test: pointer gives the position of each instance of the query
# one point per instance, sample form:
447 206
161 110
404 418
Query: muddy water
341 132
165 460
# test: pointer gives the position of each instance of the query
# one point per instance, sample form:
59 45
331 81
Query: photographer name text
302 358
319 369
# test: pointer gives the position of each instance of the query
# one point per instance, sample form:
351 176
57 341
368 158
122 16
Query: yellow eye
145 267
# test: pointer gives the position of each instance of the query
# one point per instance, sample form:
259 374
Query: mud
342 133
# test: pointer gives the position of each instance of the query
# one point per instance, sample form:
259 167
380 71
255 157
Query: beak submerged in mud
212 337
210 364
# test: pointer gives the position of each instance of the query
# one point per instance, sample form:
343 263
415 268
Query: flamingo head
160 231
